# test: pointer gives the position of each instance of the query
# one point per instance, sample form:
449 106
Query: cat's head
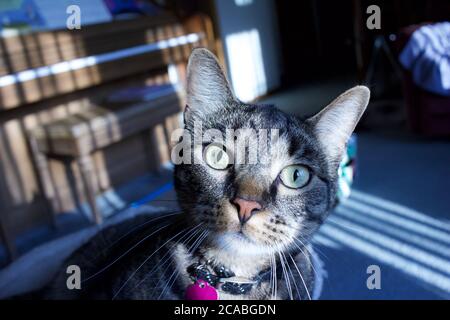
281 198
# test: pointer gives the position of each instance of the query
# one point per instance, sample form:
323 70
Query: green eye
216 157
295 176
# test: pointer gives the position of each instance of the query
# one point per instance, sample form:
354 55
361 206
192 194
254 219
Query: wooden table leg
7 240
45 181
153 153
87 171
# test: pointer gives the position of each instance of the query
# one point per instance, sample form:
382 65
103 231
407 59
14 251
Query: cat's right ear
334 124
208 89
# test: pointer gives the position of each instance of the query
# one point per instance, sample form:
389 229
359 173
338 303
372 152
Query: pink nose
246 208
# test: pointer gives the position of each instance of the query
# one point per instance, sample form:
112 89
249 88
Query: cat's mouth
240 232
241 243
241 235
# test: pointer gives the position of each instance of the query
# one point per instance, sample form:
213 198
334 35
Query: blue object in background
20 14
347 169
117 7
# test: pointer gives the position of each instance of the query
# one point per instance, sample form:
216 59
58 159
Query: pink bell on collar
201 290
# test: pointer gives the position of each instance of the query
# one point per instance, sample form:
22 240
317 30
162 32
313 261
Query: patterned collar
224 279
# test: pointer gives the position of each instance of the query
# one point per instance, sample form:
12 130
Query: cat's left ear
334 124
208 89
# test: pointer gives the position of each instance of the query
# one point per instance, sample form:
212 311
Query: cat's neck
243 265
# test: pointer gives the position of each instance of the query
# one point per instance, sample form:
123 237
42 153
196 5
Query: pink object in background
201 290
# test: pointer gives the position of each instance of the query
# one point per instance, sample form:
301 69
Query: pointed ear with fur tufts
208 89
334 124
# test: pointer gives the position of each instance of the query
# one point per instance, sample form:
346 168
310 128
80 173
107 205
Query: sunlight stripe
402 222
370 222
394 245
405 265
79 63
400 209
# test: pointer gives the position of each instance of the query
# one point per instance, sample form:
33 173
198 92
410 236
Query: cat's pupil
219 155
296 174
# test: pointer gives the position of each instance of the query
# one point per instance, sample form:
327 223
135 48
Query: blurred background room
90 91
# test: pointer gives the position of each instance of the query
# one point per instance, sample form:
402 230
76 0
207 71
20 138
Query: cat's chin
240 244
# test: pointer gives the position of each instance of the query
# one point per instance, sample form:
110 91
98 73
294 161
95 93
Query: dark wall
318 36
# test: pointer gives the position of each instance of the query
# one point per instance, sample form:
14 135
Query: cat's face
264 189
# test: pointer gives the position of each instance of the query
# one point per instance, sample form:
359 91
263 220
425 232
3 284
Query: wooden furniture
54 77
76 137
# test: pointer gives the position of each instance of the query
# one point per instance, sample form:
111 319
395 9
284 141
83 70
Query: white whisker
176 272
286 277
301 277
148 258
126 252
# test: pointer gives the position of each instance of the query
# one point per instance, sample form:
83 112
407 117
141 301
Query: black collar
224 279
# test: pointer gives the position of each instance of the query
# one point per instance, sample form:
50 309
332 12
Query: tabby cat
243 228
